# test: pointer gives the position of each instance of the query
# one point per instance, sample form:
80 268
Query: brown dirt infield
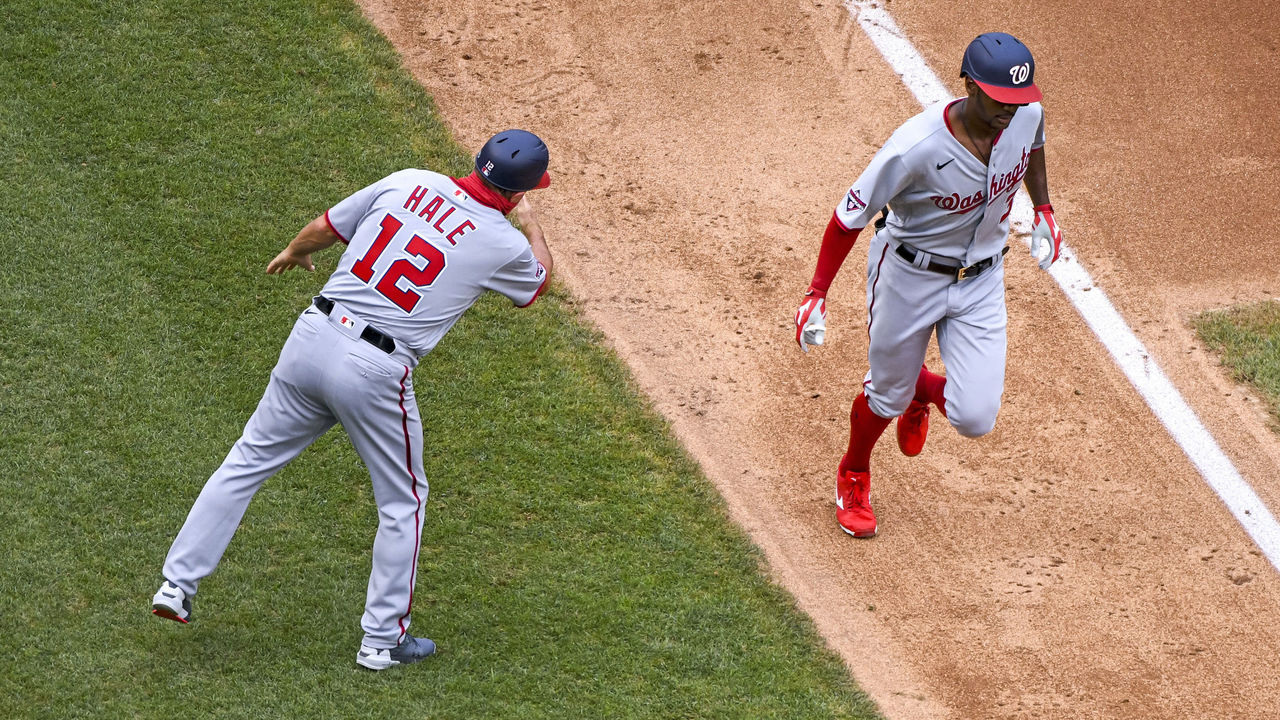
1072 564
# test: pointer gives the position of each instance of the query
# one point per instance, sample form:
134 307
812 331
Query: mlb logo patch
488 167
347 322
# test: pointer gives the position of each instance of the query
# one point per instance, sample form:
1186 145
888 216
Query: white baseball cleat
409 651
171 603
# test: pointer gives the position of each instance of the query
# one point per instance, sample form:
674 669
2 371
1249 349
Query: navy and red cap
1003 67
514 160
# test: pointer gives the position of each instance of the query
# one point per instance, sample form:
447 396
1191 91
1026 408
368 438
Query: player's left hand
287 259
811 319
1046 237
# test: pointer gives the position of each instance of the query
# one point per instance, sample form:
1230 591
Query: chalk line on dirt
1098 312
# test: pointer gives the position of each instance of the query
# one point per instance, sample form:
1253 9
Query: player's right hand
286 260
811 319
524 211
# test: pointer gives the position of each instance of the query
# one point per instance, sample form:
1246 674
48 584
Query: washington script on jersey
1011 179
1008 181
958 205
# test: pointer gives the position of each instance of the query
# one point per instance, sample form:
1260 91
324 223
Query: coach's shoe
409 651
913 428
172 603
853 504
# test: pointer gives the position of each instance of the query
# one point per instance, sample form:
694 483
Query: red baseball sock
865 428
929 388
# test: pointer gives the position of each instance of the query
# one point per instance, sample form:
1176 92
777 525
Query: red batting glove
811 319
1046 237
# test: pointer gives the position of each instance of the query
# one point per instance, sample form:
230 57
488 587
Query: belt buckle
960 273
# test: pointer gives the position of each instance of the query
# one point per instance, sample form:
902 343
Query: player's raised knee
974 423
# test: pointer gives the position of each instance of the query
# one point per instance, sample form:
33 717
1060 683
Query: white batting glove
1046 237
811 319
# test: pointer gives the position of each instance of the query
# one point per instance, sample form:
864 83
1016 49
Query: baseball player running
936 261
421 249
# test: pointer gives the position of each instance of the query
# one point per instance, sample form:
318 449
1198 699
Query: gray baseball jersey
943 200
448 250
946 207
420 251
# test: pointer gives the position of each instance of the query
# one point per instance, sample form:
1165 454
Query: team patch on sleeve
853 203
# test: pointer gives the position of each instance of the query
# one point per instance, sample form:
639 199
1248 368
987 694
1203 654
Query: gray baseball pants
326 375
906 305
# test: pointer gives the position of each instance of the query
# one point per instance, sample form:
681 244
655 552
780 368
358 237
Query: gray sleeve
880 182
347 214
1038 141
521 279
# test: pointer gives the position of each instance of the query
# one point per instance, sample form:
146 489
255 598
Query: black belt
959 273
370 334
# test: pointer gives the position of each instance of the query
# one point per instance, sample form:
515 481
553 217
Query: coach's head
514 162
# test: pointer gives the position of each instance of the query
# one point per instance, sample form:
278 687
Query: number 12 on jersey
403 268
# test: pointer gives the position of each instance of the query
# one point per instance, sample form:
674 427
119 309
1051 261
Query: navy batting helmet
1003 67
514 160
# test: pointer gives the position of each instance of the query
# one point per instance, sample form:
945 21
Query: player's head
1002 67
515 161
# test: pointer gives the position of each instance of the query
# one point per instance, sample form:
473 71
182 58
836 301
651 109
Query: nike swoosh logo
942 165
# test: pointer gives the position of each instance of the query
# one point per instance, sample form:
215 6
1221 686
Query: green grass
575 564
1247 338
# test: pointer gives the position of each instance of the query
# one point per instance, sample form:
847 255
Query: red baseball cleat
913 428
853 504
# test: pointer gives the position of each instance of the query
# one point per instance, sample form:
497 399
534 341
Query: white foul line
1097 311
